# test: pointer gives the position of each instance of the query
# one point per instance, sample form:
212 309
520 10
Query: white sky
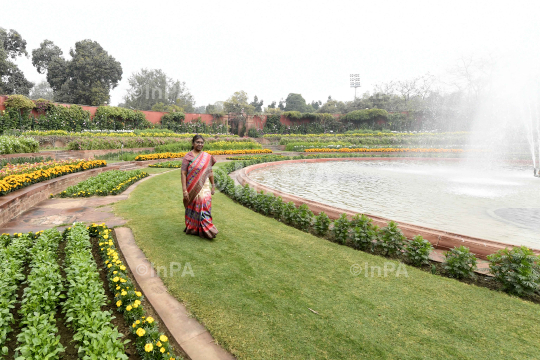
270 49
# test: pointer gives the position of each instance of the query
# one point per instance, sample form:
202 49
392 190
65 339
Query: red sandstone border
19 201
440 239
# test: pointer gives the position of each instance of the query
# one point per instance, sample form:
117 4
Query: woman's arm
211 177
184 186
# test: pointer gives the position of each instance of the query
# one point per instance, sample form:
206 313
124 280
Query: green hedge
16 145
117 118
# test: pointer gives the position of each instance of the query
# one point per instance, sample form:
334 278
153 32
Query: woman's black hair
195 138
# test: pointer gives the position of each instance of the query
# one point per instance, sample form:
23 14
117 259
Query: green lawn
254 285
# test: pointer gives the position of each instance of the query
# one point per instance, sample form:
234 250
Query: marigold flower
148 347
163 338
119 303
140 332
150 319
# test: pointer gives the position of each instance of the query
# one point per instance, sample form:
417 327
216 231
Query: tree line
90 73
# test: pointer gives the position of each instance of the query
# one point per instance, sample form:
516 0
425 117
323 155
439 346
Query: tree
216 108
12 80
42 90
316 104
257 104
87 78
332 107
295 102
238 104
272 105
149 87
167 108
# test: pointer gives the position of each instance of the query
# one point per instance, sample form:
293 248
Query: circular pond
500 204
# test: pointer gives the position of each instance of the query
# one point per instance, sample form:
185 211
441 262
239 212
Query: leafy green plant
392 240
94 332
460 263
518 270
321 224
289 213
303 217
341 228
364 232
14 145
112 182
417 251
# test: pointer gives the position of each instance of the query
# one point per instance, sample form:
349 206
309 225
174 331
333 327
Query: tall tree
149 87
87 78
257 104
295 102
238 104
42 90
12 80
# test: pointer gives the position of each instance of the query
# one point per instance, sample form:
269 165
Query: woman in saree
198 187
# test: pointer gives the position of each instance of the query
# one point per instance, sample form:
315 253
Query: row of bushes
103 143
17 145
443 139
210 145
517 269
18 115
112 182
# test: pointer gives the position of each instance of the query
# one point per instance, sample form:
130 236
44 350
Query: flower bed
386 150
14 182
16 145
218 152
168 164
25 168
112 182
151 344
122 134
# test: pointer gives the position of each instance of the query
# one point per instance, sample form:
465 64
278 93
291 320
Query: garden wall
153 116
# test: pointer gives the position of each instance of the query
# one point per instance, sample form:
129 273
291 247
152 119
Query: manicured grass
155 170
254 285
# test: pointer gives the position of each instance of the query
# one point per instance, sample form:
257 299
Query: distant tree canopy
42 90
295 102
238 104
149 87
86 79
257 104
12 80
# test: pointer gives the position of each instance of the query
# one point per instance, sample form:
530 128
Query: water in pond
500 204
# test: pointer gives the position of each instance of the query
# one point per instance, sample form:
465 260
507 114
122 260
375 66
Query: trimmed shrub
392 240
364 232
518 270
460 263
303 217
322 224
16 145
417 251
341 229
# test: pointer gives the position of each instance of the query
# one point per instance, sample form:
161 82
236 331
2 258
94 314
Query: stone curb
192 337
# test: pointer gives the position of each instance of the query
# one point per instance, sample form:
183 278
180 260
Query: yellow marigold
158 344
150 319
116 279
128 308
162 350
138 293
148 347
123 268
140 332
123 293
163 338
119 303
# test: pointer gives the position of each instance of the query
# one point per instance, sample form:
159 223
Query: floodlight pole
355 82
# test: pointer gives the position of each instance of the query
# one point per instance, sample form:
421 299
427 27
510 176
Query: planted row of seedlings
96 336
516 269
80 297
151 344
13 257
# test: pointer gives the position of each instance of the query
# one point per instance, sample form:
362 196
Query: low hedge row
18 145
517 270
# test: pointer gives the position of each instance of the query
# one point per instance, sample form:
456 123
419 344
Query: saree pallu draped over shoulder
199 203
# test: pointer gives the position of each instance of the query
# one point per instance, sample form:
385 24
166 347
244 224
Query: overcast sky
273 48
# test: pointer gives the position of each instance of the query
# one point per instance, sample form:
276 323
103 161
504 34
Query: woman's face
198 144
